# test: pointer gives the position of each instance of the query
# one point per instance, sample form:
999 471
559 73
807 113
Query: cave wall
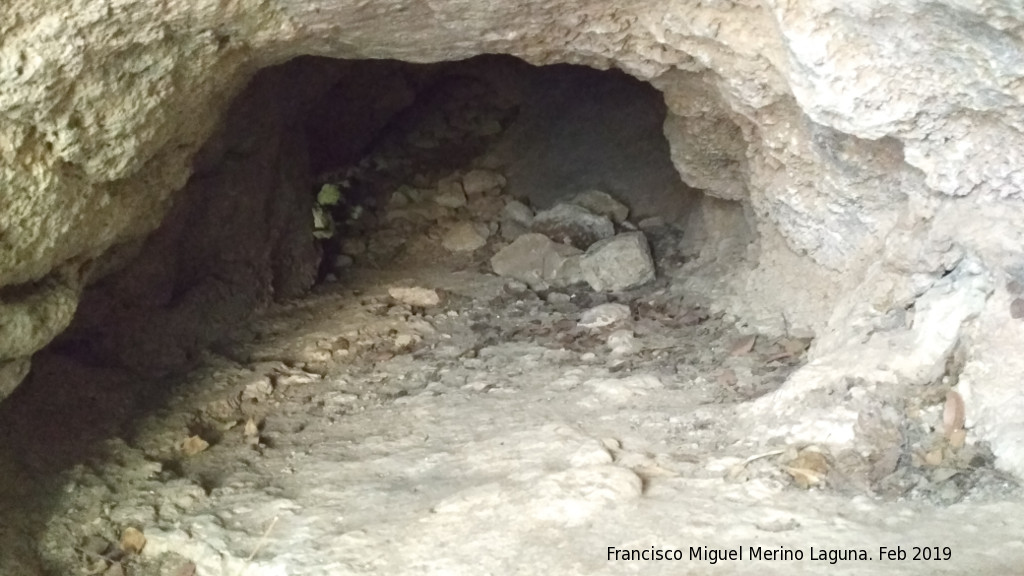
236 237
871 151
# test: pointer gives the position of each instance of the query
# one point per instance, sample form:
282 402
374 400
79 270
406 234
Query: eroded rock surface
864 149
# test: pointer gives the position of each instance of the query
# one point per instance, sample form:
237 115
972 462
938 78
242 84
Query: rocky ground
479 387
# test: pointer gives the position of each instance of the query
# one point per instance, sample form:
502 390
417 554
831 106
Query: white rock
258 390
621 390
618 263
465 237
622 343
651 222
480 181
12 372
415 296
604 315
572 224
449 194
602 204
516 219
537 261
516 211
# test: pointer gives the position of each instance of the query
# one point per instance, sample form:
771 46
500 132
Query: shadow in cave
240 234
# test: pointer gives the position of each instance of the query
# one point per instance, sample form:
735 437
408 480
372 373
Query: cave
457 288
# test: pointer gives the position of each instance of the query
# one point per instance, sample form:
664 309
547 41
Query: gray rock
604 315
12 372
516 219
342 261
651 222
537 261
480 181
415 296
572 224
465 237
602 204
450 194
623 343
618 263
485 207
516 211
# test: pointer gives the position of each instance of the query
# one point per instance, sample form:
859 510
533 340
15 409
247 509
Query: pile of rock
396 202
586 239
574 241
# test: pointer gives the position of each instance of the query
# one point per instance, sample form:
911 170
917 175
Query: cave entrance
322 167
489 246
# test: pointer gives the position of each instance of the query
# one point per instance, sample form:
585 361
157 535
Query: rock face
852 154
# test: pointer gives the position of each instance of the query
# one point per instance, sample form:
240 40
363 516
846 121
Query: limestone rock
622 343
465 237
602 204
486 208
450 194
516 219
818 150
12 372
537 261
604 315
415 296
572 224
517 212
618 263
480 181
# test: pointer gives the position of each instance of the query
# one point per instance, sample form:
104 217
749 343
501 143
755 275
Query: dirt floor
418 414
491 434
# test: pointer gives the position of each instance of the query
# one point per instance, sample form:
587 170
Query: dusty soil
489 435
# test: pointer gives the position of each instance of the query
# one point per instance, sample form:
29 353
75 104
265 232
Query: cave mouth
322 168
325 179
329 340
323 164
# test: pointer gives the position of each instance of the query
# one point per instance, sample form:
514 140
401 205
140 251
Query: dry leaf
954 414
132 540
193 445
809 468
804 477
727 378
886 464
933 458
743 346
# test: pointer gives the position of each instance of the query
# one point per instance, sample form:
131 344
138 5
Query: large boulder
572 224
618 263
538 261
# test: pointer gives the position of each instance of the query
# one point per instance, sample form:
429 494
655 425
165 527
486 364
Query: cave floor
491 434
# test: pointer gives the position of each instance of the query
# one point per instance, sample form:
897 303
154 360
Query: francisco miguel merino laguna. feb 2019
759 553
